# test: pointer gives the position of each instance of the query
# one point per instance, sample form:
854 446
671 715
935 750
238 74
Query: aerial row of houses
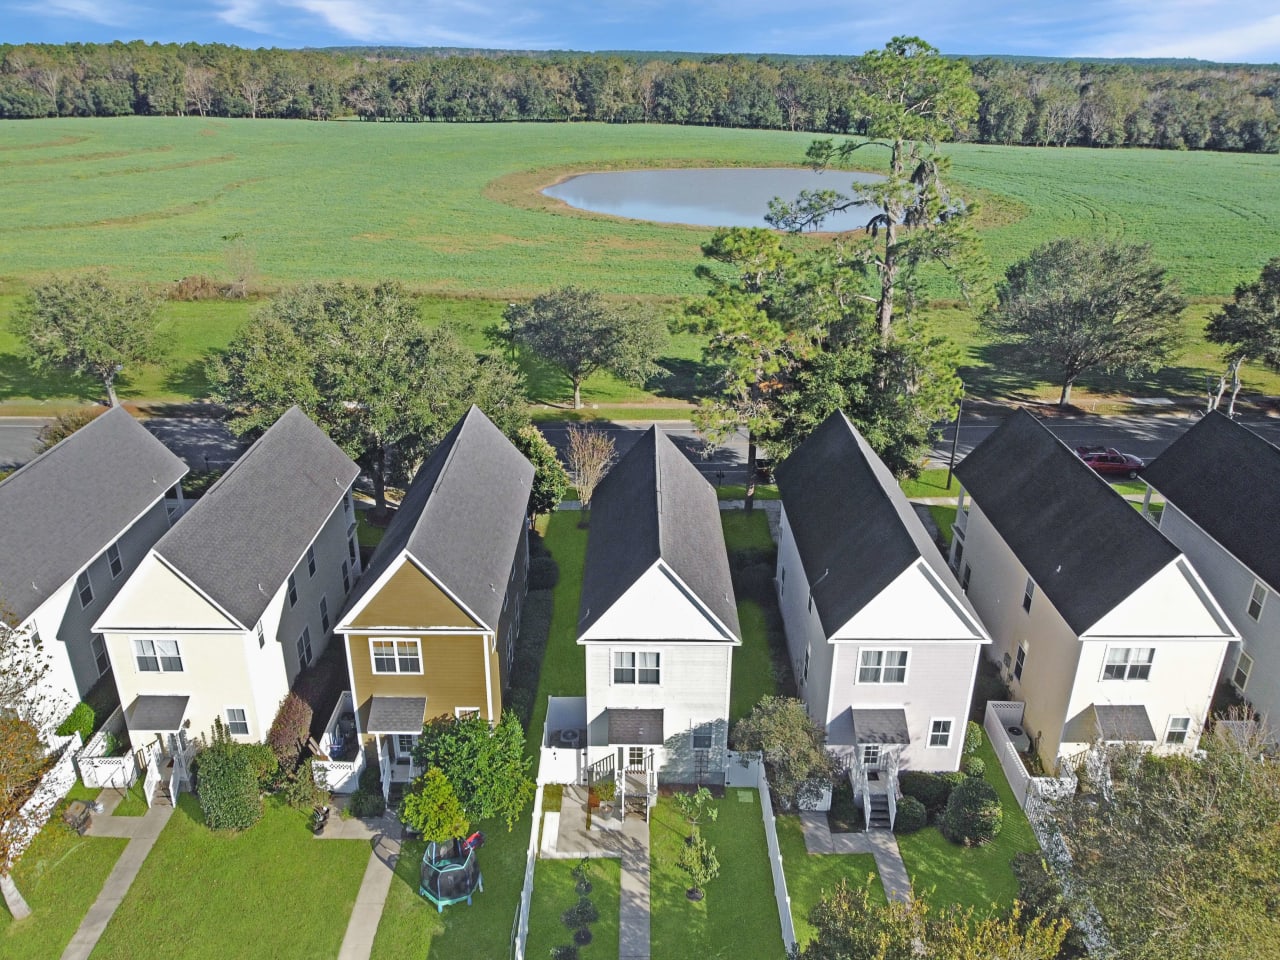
1110 623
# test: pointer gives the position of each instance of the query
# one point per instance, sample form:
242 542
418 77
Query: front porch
340 760
395 723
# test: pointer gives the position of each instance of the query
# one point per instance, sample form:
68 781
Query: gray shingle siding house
657 620
241 594
1221 484
77 521
883 644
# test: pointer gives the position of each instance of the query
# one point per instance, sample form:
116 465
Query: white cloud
95 11
245 14
1250 39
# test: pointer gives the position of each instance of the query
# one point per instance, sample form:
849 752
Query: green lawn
970 876
133 803
753 671
553 892
811 876
944 517
61 874
738 491
368 534
739 916
270 891
746 531
931 483
412 929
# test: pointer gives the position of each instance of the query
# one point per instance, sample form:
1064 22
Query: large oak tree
1249 326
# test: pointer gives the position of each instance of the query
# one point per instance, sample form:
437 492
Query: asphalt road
205 443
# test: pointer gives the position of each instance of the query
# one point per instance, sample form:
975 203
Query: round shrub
366 803
581 914
79 720
972 738
582 936
931 789
544 573
973 815
974 766
911 817
565 952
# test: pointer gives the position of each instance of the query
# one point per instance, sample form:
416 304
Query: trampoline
450 873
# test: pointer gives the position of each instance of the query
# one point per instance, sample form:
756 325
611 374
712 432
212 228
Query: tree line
1095 104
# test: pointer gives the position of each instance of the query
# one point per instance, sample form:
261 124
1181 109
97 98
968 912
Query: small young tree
89 325
432 809
1249 326
64 425
698 859
550 479
573 329
696 806
795 759
486 766
1083 303
22 757
591 454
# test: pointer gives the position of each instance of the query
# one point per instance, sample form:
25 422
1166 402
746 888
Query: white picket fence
53 786
1003 713
521 937
746 770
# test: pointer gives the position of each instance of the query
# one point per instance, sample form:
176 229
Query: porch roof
156 713
638 727
396 714
1127 723
880 726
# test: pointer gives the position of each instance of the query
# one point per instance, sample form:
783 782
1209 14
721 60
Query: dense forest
1060 103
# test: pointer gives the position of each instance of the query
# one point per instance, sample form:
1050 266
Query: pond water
721 197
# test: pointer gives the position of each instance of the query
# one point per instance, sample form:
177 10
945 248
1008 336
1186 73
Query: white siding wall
1232 583
693 693
803 627
939 686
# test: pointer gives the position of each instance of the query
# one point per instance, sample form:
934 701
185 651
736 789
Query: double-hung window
1257 597
237 721
630 666
84 589
1028 592
940 733
114 563
262 636
100 658
396 656
324 614
1020 661
293 590
304 647
311 561
346 577
158 656
882 666
1244 666
1179 727
1128 663
965 577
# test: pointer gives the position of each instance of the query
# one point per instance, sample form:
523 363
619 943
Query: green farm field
454 211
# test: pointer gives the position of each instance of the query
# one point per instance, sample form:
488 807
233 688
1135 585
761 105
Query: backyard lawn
412 929
810 877
553 893
133 803
270 891
944 517
978 877
61 874
746 531
931 483
739 916
754 676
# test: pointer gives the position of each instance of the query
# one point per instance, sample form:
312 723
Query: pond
720 197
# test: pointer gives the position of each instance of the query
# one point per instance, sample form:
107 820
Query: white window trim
115 547
101 641
1258 587
326 622
613 653
226 720
1168 729
1014 670
951 732
300 648
1127 664
460 712
906 669
291 590
311 561
88 580
156 655
1028 595
262 635
397 672
1248 672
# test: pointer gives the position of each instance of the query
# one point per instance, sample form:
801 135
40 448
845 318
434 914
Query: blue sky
1226 30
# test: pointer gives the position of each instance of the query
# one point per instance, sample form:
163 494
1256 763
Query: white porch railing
385 770
152 778
338 776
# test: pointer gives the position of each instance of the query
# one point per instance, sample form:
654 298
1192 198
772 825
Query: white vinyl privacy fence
747 770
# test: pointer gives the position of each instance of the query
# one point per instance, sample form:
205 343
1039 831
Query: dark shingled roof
462 516
1082 544
881 726
156 712
241 540
1214 473
1128 723
853 526
396 714
654 505
640 727
70 503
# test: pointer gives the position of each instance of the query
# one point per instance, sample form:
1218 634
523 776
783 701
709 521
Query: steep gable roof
655 506
1082 544
241 540
1225 478
854 528
70 503
461 518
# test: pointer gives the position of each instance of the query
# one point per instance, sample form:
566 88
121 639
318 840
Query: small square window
635 758
940 733
311 561
1179 727
702 740
871 755
114 563
1028 592
1244 666
84 589
1257 597
237 722
293 590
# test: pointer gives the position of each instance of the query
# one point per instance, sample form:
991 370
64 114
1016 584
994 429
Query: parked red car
1110 462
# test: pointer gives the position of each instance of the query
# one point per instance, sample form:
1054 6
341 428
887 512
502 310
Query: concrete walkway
142 833
881 844
633 909
357 943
